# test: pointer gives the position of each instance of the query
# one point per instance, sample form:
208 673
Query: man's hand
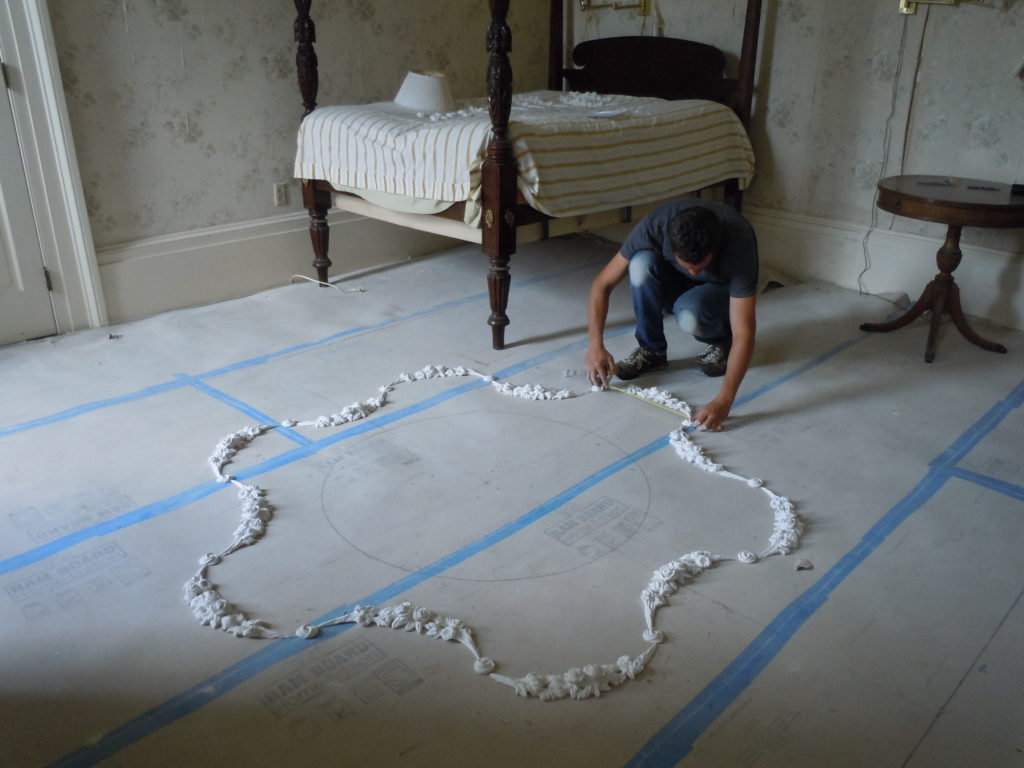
600 366
742 318
711 416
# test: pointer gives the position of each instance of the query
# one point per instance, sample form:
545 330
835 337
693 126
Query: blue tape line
261 359
203 490
196 493
245 408
500 534
765 388
191 700
242 671
27 558
676 739
156 389
96 405
992 483
234 675
981 428
199 492
385 323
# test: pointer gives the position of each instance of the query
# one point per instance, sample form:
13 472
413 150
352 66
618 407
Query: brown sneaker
714 360
640 361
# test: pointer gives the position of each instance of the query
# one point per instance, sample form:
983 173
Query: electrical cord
913 92
357 289
886 143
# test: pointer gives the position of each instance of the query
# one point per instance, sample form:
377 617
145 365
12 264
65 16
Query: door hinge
49 280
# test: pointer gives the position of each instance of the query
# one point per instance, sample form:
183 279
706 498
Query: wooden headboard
653 63
652 68
664 67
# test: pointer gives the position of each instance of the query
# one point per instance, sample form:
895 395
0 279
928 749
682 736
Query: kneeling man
698 260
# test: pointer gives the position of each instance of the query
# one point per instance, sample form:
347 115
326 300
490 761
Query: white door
25 308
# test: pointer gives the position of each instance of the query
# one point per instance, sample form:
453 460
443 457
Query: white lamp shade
425 92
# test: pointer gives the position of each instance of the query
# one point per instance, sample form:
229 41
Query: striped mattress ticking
577 153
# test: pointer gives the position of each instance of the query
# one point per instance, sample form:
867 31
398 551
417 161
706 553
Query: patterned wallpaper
825 89
184 111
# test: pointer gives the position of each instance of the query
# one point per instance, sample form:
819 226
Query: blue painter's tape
765 388
203 490
96 405
147 512
384 323
189 701
156 389
981 428
308 449
992 483
245 408
217 685
494 537
676 739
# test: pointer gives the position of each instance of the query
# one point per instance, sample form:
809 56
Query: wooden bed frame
667 68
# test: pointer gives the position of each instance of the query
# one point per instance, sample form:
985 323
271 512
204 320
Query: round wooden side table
957 203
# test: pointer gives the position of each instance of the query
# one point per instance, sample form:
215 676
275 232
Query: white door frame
51 166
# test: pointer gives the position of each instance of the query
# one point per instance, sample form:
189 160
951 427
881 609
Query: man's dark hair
693 233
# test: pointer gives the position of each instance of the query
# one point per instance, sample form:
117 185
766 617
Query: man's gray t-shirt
735 265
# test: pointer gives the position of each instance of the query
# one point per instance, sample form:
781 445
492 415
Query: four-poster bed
507 189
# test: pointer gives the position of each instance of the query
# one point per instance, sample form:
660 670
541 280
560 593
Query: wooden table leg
941 296
960 321
941 284
923 303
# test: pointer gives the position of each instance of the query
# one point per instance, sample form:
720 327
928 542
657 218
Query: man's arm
743 319
600 364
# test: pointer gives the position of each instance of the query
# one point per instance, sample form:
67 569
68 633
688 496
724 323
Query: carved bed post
556 45
498 175
748 62
305 56
316 199
744 97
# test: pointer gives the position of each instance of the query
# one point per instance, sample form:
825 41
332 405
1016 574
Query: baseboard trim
813 248
189 269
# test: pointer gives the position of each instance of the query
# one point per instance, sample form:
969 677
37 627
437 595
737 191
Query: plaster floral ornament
212 609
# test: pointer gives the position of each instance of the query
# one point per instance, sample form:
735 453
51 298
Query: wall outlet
281 194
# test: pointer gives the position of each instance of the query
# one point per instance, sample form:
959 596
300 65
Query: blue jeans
701 309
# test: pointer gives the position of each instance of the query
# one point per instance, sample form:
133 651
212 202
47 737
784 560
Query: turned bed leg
498 282
318 202
733 194
498 174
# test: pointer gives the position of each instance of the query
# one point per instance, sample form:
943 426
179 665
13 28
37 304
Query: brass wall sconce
910 6
644 6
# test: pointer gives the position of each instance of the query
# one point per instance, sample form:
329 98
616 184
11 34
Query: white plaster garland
211 609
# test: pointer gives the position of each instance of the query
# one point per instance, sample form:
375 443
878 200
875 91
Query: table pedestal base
941 296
